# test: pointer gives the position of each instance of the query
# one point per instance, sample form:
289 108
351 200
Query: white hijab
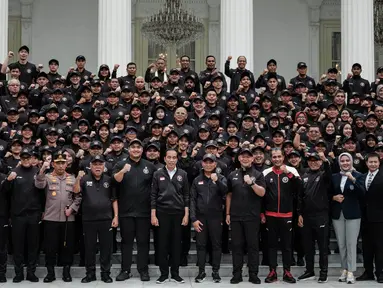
351 160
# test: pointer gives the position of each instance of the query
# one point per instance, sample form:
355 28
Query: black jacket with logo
280 191
207 197
170 196
133 192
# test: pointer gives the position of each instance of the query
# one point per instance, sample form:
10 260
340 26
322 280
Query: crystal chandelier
378 21
172 26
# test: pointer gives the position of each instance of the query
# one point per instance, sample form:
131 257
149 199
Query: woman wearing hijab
347 192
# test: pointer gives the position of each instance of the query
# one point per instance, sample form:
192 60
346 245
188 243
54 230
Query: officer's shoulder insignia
146 170
106 185
179 178
285 179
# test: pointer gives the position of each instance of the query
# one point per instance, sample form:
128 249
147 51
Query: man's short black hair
171 149
372 155
185 56
131 63
209 56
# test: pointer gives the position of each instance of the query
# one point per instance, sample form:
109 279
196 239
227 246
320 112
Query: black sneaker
106 278
162 279
236 279
365 277
178 279
200 277
124 275
89 278
18 278
216 277
308 275
254 279
322 278
32 277
272 277
288 278
145 276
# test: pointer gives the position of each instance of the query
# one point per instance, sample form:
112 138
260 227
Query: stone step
192 258
190 271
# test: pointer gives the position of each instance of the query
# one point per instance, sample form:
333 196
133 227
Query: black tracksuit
3 226
313 206
245 210
170 197
26 210
133 194
279 204
206 203
97 216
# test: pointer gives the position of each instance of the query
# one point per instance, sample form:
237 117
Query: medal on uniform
54 193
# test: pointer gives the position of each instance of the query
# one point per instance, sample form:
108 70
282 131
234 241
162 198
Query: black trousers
79 237
139 228
169 242
372 237
297 243
264 246
245 233
3 244
54 242
315 228
185 240
211 231
103 230
225 233
26 229
279 228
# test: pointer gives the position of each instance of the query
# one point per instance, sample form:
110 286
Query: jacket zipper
279 194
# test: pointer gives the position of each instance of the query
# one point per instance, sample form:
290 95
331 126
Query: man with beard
157 69
206 76
186 72
236 74
134 180
355 83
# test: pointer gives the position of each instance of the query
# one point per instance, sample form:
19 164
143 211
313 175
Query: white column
237 33
214 33
314 13
3 28
115 32
26 23
358 36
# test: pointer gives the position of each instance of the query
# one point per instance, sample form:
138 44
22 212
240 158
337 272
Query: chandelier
378 21
172 26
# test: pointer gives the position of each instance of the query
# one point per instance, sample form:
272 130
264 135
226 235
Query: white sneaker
343 277
350 278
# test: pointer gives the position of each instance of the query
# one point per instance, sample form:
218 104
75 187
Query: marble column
26 23
115 32
214 30
237 35
357 24
3 28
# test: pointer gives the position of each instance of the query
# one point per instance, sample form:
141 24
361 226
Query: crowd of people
259 160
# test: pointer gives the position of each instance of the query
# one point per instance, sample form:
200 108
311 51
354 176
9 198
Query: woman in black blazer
347 194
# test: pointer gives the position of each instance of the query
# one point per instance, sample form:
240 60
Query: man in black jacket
372 225
25 215
170 211
246 187
235 74
206 201
3 229
134 180
313 205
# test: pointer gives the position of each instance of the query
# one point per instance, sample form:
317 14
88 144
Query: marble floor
189 282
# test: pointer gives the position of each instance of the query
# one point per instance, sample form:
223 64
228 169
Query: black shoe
308 275
365 277
162 279
106 278
272 277
184 261
18 278
216 277
124 275
300 262
380 279
145 276
254 279
200 277
236 279
322 278
288 278
178 279
32 277
89 278
66 274
3 279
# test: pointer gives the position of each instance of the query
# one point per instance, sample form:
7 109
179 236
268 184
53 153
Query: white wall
74 22
281 31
